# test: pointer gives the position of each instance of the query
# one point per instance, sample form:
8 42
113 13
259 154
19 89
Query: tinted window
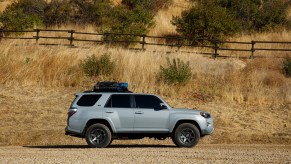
119 101
147 101
88 100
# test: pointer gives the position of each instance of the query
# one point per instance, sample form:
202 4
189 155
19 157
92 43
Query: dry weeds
250 100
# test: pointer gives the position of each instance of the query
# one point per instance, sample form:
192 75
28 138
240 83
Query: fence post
1 33
179 45
105 40
253 49
215 48
143 42
71 37
37 35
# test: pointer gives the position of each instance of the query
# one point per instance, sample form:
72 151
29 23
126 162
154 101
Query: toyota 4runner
111 112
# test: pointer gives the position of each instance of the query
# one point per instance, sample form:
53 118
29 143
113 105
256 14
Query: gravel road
118 153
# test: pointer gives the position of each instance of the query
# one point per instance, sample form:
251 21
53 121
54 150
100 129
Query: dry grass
163 18
250 99
258 81
3 5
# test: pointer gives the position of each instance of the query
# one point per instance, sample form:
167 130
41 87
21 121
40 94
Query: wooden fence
213 46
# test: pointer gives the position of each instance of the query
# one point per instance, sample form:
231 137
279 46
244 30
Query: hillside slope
249 100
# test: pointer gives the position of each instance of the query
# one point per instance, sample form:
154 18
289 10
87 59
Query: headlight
205 114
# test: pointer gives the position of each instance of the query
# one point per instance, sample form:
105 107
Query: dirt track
119 153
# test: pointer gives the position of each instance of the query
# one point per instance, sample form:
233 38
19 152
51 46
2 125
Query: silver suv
103 115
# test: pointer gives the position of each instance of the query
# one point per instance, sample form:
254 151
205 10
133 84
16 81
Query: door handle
108 112
139 112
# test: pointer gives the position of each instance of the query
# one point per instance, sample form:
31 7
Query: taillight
71 112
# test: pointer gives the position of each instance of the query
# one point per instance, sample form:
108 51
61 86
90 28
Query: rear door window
88 100
147 101
119 101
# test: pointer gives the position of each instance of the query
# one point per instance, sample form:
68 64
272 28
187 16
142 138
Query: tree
258 15
23 15
206 20
223 18
136 21
150 5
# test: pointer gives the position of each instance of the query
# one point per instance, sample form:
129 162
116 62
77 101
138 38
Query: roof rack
108 86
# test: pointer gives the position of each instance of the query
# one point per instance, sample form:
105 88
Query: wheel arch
96 121
179 122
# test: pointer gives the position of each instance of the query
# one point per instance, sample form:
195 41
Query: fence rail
214 46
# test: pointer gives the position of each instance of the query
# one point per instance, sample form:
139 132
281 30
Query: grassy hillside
250 99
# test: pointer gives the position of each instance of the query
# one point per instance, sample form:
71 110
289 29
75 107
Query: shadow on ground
86 146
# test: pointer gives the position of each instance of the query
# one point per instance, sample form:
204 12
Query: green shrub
151 5
206 21
217 18
287 67
93 66
137 21
258 15
17 20
58 12
92 12
23 15
177 72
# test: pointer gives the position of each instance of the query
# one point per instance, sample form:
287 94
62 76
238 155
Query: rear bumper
72 133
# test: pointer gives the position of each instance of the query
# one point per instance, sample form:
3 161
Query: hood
185 110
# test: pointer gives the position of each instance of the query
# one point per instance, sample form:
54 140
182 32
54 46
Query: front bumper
209 128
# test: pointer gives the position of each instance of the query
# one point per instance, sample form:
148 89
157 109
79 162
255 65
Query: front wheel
186 135
98 136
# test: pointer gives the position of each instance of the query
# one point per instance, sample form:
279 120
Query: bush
58 12
287 67
206 21
23 15
177 72
92 12
255 15
93 66
26 14
124 21
217 18
151 5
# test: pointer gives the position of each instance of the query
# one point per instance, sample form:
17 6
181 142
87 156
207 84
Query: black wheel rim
187 136
97 136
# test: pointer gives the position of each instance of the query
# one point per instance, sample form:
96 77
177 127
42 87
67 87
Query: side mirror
163 106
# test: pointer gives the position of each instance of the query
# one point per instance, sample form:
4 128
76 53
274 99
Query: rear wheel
98 136
186 135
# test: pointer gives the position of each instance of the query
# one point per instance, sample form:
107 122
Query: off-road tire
186 135
98 136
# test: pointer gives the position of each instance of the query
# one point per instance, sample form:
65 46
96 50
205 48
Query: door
148 115
119 111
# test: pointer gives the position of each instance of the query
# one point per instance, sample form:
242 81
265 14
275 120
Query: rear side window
88 100
119 101
147 101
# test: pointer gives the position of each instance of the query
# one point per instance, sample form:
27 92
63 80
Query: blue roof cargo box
110 87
